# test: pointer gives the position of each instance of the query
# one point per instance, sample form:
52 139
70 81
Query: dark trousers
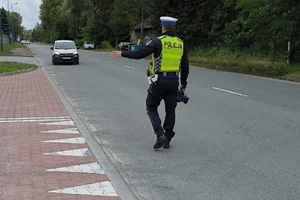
164 89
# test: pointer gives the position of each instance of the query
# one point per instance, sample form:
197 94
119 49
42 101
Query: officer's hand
116 53
182 88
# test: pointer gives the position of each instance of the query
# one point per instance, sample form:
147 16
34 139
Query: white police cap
165 20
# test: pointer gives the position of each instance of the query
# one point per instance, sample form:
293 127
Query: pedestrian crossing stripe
104 188
34 119
83 168
67 130
77 140
67 123
73 152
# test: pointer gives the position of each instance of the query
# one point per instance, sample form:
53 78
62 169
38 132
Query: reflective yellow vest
171 53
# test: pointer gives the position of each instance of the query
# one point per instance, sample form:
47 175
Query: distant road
237 138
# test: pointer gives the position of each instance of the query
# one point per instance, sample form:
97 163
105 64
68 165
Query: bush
106 45
78 42
237 62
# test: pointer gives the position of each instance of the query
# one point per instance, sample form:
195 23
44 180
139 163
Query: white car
25 41
88 45
65 51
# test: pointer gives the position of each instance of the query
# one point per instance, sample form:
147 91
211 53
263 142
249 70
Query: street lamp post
12 6
9 21
12 34
142 23
1 35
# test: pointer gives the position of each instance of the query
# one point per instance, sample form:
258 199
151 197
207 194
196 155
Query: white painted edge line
230 92
129 67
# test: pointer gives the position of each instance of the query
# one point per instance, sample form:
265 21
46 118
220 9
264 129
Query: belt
168 74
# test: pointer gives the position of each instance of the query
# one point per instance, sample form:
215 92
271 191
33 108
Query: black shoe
167 145
161 140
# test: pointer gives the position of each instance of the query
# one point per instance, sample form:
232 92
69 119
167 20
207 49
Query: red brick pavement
28 103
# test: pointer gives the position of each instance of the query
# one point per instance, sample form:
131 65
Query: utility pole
1 35
142 22
13 32
9 23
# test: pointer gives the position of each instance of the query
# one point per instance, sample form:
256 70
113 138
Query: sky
28 9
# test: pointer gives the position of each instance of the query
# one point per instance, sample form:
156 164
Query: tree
124 16
15 24
272 24
48 21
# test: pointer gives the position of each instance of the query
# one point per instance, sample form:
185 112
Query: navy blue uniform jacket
155 47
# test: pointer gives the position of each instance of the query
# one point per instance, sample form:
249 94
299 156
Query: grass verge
8 47
9 67
226 61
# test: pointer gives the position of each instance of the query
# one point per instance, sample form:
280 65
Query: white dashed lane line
230 92
128 67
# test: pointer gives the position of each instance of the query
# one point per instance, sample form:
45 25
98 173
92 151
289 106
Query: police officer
169 60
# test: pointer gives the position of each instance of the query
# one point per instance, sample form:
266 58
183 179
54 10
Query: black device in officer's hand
182 97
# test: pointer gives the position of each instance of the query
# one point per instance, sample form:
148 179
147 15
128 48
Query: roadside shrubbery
236 62
106 45
7 47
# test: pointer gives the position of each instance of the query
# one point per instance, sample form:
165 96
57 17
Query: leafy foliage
259 26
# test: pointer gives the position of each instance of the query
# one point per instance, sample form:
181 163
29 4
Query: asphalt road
237 138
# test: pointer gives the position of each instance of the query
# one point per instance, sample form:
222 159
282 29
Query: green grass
226 61
8 47
8 67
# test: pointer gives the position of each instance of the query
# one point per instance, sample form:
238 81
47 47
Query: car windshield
89 42
65 45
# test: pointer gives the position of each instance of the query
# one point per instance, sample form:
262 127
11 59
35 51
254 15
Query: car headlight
75 52
56 53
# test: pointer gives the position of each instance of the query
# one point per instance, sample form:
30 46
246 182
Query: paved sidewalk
43 153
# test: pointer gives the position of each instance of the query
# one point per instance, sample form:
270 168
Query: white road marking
93 168
108 62
128 67
77 140
95 58
67 130
230 92
67 123
73 152
104 188
35 119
